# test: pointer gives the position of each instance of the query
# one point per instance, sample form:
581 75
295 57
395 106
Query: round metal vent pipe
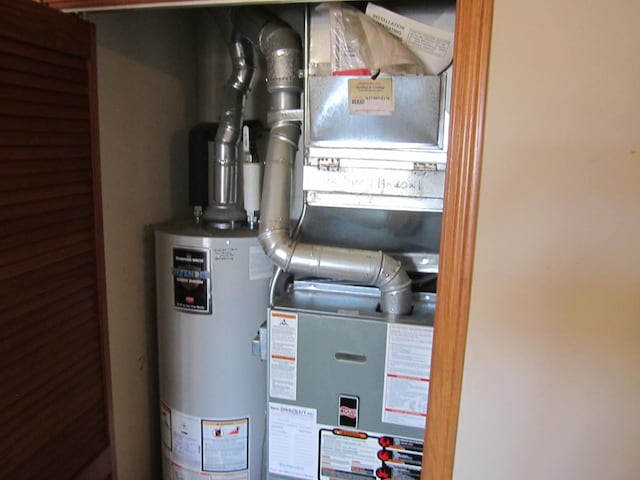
224 201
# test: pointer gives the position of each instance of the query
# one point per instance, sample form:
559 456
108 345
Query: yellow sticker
371 97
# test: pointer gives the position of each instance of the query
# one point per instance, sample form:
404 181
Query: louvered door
54 381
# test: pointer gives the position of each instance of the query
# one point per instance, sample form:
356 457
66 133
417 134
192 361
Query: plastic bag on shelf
360 46
433 45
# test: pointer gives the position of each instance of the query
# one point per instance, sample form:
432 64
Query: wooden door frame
469 88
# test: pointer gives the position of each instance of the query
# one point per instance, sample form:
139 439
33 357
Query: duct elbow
276 244
241 53
276 36
395 287
266 31
282 50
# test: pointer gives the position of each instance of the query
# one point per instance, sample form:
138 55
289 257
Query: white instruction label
225 445
199 449
293 441
407 374
346 453
283 355
185 439
371 97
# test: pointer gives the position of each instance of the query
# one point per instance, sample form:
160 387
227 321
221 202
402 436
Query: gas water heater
212 292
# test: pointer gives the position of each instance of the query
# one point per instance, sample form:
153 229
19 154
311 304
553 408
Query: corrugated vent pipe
281 46
225 207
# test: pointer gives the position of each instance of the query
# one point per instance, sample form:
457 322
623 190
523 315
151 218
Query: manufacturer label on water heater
191 280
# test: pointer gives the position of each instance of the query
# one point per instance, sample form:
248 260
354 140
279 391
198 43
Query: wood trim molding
100 468
469 87
101 276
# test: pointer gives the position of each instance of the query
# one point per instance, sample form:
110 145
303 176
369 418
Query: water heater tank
212 295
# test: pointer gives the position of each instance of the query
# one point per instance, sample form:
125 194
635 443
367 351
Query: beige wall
146 82
551 386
